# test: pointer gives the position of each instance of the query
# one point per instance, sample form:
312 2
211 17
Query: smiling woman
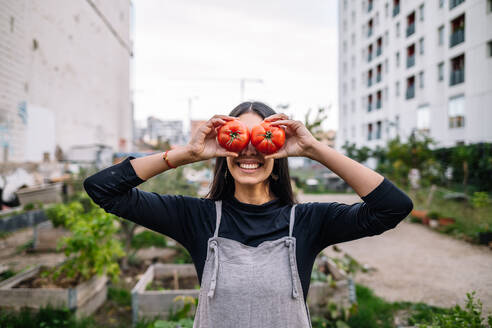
253 245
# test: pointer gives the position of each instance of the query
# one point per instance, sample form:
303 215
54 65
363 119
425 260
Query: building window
489 48
370 5
379 99
344 46
421 12
379 73
378 130
353 38
454 3
440 35
352 59
352 105
421 46
396 7
440 71
386 39
386 10
421 79
369 28
456 112
386 63
423 118
353 16
344 4
411 55
369 78
397 29
352 83
411 24
386 93
410 87
369 131
489 6
457 70
376 19
369 103
398 59
441 3
344 67
369 53
353 131
379 46
397 88
457 31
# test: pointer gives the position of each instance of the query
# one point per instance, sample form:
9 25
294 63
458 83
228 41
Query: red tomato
233 135
266 138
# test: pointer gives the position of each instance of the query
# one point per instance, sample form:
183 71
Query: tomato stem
233 135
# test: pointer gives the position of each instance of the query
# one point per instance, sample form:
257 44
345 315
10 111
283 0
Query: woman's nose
249 150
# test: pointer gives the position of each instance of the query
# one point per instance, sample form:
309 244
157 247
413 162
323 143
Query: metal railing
410 61
410 92
410 29
457 77
454 3
456 37
396 10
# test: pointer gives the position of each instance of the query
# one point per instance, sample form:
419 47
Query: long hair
224 187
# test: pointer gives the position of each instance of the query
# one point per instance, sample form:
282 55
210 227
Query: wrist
313 151
179 156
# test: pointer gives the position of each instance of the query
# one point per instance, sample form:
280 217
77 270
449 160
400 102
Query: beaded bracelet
167 162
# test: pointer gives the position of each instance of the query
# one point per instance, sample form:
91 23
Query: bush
480 199
148 239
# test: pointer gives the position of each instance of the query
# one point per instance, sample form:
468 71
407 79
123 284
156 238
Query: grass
470 220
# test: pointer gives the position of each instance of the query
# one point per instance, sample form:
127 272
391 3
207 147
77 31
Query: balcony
369 107
457 37
378 134
369 7
396 10
410 92
379 50
369 57
369 32
378 104
454 3
457 77
369 82
410 29
410 61
378 78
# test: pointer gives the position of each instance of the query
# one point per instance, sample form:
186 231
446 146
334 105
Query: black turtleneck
191 220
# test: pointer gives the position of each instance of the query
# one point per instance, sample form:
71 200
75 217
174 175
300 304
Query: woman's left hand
298 140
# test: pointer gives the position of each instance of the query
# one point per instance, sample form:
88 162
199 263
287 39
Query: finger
224 117
279 116
226 154
278 154
284 122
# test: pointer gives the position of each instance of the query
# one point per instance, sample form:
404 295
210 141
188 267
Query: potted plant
433 219
420 215
79 283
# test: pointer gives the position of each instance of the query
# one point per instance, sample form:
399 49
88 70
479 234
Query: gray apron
251 287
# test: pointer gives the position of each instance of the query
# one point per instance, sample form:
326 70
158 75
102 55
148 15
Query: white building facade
64 76
415 65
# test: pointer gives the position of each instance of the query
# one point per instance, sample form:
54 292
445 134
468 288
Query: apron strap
290 243
292 219
218 210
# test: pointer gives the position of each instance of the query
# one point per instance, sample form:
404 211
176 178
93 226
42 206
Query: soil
37 281
168 283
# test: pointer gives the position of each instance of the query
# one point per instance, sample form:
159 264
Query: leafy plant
91 248
147 239
480 199
183 256
433 215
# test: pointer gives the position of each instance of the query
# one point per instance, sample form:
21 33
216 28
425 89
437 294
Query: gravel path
415 263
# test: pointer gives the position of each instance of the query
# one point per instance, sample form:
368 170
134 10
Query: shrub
480 199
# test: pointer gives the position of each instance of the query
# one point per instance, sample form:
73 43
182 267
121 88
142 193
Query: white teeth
249 166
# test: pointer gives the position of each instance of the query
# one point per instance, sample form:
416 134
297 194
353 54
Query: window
397 29
421 46
421 79
369 78
410 87
353 16
353 38
344 4
398 59
369 131
457 31
344 46
397 88
352 129
489 6
396 7
379 46
386 93
344 25
352 106
440 71
411 55
379 99
386 38
386 10
440 33
454 3
369 103
369 53
456 112
370 5
386 63
423 118
369 28
489 48
352 59
378 130
441 3
411 24
379 73
352 83
344 88
344 67
457 70
421 12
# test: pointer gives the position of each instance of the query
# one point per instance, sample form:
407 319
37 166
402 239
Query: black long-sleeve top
191 220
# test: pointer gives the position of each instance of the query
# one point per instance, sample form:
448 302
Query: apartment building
415 65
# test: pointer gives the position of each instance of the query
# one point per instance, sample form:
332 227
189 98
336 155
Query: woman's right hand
204 145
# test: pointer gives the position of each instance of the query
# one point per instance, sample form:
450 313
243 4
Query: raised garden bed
83 299
22 220
179 279
46 236
48 193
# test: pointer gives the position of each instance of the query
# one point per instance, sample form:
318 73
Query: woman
253 247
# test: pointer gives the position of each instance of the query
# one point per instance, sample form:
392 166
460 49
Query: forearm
361 178
148 166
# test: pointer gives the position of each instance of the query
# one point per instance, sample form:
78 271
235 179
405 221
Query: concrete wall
77 65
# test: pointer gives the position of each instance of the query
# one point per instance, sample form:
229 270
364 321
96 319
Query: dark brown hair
224 187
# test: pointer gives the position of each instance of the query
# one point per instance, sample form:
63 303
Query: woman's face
250 167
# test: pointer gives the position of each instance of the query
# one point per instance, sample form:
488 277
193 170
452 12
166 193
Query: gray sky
191 48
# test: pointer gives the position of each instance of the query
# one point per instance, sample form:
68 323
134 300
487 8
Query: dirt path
415 263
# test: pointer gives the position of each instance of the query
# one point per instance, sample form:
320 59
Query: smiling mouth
249 166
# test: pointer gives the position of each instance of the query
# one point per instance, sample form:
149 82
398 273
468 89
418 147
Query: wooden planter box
84 299
49 193
46 236
152 303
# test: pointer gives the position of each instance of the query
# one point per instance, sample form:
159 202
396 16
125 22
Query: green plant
7 274
147 239
91 248
120 296
470 317
182 256
28 207
177 313
480 199
433 215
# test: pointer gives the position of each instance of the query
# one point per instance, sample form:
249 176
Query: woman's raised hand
298 140
203 145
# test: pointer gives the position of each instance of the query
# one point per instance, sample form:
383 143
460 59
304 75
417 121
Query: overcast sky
192 48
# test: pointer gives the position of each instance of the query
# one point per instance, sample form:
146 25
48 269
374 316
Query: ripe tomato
267 138
233 135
